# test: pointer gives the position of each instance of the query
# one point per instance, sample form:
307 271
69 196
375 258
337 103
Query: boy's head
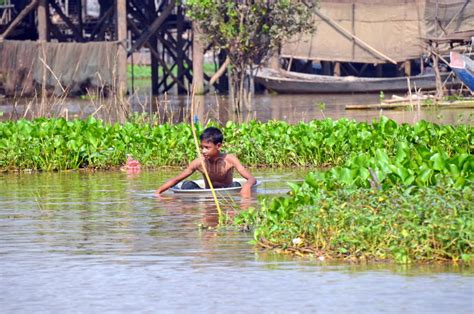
211 142
213 135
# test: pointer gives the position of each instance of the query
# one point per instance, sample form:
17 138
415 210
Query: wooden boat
203 190
286 82
463 67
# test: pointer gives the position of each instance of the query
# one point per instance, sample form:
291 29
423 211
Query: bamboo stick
198 150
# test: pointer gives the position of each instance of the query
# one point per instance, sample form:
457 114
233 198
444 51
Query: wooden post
439 82
407 66
337 68
154 57
198 60
121 11
80 17
43 20
84 8
155 88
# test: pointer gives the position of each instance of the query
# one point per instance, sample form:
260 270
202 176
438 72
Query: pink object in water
132 165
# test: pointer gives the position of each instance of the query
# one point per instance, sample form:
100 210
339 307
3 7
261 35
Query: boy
219 166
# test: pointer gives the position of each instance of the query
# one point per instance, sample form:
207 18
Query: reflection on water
95 242
290 108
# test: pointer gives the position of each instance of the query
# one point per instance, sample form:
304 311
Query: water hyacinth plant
417 224
55 144
405 197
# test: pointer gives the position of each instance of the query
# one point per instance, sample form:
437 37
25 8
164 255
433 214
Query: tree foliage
248 30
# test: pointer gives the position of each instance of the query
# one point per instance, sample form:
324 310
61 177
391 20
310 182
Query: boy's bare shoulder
195 163
232 158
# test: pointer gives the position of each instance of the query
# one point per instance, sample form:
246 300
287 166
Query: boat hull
296 83
204 191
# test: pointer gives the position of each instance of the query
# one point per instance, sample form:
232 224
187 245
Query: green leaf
438 162
424 177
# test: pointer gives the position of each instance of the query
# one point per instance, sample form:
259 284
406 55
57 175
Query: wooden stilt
153 42
337 69
121 11
198 61
439 82
43 20
166 72
80 17
407 66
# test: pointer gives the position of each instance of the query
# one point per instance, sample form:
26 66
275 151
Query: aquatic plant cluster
414 224
57 144
406 195
396 152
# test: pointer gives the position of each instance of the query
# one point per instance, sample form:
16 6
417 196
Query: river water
290 108
76 242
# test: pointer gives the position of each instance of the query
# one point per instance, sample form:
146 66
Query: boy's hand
160 197
246 191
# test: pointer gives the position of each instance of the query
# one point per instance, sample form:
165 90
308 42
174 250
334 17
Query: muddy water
101 242
290 108
304 108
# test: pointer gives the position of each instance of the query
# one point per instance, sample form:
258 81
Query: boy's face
210 150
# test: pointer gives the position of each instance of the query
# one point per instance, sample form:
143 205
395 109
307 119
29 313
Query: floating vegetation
56 144
416 224
406 197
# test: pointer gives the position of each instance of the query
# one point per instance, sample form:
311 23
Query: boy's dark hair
213 135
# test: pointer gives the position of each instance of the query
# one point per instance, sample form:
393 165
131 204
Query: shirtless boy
219 165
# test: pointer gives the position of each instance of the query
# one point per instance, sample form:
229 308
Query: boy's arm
247 187
183 175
